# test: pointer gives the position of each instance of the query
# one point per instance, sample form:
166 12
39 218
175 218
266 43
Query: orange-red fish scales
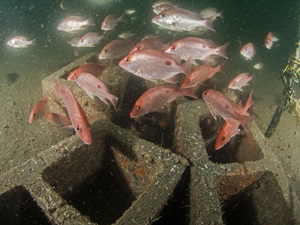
39 109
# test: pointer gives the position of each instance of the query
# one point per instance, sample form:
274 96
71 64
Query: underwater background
22 70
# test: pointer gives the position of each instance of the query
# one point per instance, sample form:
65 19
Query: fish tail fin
33 42
246 121
190 92
90 22
127 12
222 50
274 38
220 14
221 68
249 102
209 23
187 66
253 77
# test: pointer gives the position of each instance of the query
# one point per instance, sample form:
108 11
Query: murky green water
22 70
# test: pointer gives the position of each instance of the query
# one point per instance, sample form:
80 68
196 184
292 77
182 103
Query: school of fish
177 68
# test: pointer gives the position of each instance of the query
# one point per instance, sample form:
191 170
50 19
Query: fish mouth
133 115
87 141
155 19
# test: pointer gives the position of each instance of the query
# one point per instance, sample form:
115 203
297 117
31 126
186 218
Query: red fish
95 87
230 129
58 119
200 74
153 64
220 105
89 40
155 98
39 109
248 51
197 48
116 49
149 43
110 22
92 68
270 39
162 7
240 81
75 112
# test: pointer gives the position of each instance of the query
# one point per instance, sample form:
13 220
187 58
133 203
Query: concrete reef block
113 76
236 184
118 179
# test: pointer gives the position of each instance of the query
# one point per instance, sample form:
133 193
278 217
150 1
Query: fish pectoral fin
67 127
172 80
212 112
246 122
103 99
90 94
152 80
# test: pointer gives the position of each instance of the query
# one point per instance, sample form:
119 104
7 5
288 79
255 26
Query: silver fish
258 66
161 8
161 2
74 23
126 35
179 19
248 51
210 12
20 42
89 40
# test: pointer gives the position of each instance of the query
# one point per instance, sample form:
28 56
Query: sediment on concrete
236 184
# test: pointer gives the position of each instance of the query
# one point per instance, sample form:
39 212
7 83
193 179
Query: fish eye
223 138
105 50
34 115
127 59
75 75
138 108
173 47
205 92
78 128
162 15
